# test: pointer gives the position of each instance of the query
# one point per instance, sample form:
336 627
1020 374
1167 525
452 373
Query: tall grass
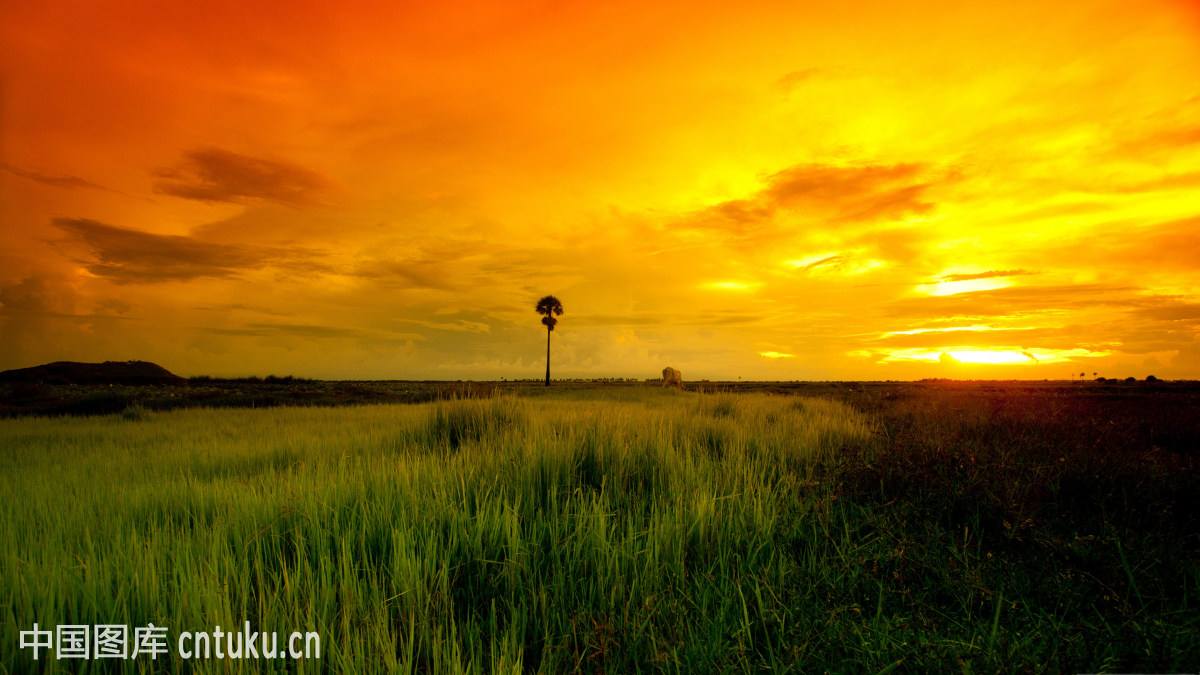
609 530
484 535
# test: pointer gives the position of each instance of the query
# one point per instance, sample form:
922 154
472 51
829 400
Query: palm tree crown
549 307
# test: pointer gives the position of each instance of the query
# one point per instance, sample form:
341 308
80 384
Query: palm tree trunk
547 356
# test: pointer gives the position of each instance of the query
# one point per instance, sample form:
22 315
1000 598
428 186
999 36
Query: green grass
608 531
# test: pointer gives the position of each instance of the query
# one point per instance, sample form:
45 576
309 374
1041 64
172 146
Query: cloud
241 307
828 193
1011 355
47 297
426 273
125 255
1015 300
435 264
113 306
1166 182
455 326
31 294
853 193
1171 310
1052 336
827 261
990 274
797 77
638 319
58 181
1057 211
1057 322
317 332
290 329
216 175
1169 245
1168 139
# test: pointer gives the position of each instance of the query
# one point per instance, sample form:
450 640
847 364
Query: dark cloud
991 274
58 181
125 255
216 175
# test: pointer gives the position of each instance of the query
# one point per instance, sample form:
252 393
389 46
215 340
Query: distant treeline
253 379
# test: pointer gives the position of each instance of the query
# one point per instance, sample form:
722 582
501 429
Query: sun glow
730 285
985 356
943 288
973 328
997 356
758 190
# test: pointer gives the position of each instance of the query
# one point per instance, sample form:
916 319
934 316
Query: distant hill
109 372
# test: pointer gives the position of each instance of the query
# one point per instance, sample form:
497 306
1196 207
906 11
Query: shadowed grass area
592 530
1065 521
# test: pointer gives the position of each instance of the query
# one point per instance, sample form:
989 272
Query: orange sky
759 190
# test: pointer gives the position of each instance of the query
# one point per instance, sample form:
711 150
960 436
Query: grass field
616 530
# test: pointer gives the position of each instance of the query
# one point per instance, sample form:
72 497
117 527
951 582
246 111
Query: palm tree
549 307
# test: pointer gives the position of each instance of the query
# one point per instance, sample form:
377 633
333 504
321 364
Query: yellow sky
756 190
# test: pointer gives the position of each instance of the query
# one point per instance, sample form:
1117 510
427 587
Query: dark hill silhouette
109 372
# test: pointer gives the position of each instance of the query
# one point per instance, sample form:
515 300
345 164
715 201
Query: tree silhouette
549 307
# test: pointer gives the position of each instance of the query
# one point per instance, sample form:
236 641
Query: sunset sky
890 190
